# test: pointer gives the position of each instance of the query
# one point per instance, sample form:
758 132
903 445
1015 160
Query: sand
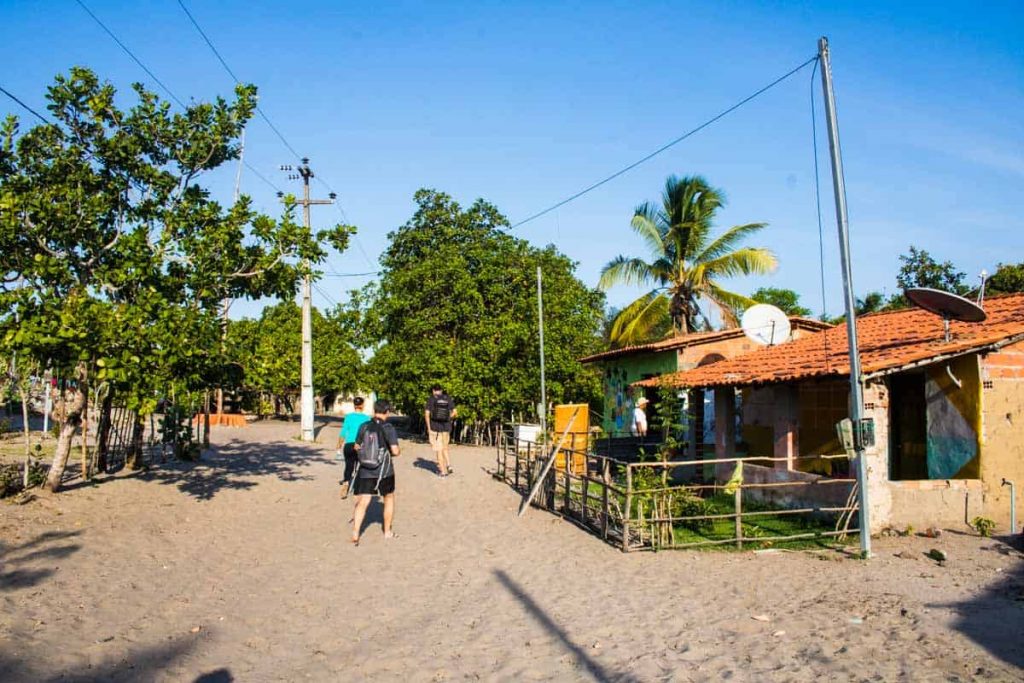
239 569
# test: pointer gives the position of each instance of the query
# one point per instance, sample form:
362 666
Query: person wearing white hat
639 425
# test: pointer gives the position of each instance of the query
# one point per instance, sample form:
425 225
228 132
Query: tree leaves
456 304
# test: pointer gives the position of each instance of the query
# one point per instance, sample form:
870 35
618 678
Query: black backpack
373 451
441 408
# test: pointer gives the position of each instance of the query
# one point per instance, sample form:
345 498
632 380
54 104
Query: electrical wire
266 119
817 200
262 177
324 294
331 273
130 53
26 107
138 61
664 147
235 78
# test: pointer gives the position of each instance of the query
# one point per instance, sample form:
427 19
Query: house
622 367
948 414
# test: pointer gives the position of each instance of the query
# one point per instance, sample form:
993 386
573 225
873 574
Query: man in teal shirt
347 441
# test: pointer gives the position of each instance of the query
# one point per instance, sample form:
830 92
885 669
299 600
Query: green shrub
983 525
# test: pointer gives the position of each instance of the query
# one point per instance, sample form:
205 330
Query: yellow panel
577 439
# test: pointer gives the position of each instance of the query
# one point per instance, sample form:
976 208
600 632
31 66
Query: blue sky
526 103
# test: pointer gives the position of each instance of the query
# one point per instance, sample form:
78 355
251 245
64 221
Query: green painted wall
619 373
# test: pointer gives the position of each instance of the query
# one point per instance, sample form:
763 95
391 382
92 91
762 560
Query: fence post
585 485
627 513
568 487
738 504
604 500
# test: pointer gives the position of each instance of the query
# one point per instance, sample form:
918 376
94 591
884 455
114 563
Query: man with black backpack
376 445
439 413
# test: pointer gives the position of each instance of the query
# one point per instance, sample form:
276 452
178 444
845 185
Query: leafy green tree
687 263
919 269
266 351
456 304
785 299
125 256
1007 279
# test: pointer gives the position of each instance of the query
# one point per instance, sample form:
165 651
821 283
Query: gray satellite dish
765 325
945 305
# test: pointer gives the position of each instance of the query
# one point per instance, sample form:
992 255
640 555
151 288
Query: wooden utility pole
306 174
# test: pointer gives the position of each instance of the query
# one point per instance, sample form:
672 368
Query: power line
160 83
331 273
235 78
266 119
130 54
262 177
207 39
324 294
341 211
661 149
26 107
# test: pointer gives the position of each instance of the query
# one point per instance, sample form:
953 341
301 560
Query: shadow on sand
994 617
42 547
139 664
593 667
236 465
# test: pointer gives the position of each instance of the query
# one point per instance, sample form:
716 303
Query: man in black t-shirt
439 413
376 481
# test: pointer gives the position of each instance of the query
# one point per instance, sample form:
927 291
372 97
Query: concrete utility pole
306 173
856 387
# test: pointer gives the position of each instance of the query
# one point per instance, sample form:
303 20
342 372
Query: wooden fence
743 502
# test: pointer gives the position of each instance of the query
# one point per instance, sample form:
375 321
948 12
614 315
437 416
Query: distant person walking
347 441
376 445
639 425
439 413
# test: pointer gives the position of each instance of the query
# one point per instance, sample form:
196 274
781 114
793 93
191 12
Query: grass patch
762 526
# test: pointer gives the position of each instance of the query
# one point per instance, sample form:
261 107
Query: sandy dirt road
238 569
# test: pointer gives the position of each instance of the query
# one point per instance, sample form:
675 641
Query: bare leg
447 459
389 514
362 503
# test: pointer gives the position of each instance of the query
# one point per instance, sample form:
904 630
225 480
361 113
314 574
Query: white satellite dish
765 324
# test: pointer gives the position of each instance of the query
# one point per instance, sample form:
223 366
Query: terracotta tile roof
695 339
888 341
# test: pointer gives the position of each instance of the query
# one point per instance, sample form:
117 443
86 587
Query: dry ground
239 569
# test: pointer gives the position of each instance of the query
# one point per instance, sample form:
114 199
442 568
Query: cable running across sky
665 147
277 132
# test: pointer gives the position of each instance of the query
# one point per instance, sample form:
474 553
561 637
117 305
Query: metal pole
856 386
307 324
543 382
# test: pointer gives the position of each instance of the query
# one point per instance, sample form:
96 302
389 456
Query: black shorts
368 487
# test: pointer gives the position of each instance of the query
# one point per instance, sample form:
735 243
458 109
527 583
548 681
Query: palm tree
686 264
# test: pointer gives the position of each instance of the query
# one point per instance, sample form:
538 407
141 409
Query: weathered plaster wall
619 373
941 503
1003 432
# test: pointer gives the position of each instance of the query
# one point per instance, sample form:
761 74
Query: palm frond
644 320
626 271
745 261
730 305
728 240
646 223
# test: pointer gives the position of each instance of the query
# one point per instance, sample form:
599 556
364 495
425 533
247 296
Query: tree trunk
103 431
135 452
72 408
